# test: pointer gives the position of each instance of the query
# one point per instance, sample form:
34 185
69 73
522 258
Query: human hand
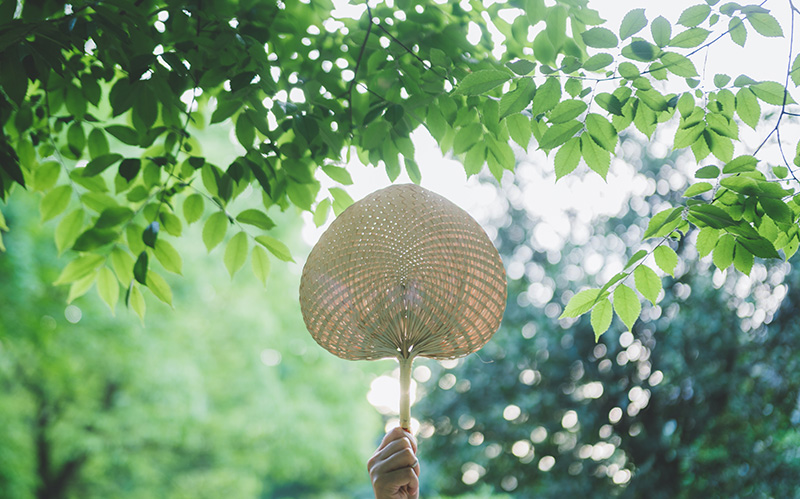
394 467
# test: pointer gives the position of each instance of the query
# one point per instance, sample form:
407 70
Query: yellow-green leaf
54 202
666 259
79 268
582 302
168 256
275 247
602 313
236 253
159 287
723 252
136 301
214 230
626 305
261 265
108 287
647 282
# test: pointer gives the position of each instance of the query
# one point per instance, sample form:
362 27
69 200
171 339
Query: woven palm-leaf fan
403 273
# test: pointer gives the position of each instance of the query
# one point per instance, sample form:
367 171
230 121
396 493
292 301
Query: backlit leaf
54 202
108 287
256 218
647 282
168 256
567 157
214 230
765 24
742 259
601 38
482 81
517 99
275 247
633 22
236 253
159 287
602 313
723 252
193 208
582 302
694 15
627 305
261 264
666 259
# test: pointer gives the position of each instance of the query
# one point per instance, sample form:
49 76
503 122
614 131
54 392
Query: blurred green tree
703 400
230 398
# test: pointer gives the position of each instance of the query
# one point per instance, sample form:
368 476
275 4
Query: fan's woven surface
403 273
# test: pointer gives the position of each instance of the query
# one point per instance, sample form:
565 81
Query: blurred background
226 394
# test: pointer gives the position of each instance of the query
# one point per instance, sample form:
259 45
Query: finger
390 483
393 448
393 435
403 458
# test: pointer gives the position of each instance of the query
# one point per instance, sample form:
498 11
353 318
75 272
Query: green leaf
80 287
46 176
690 38
54 202
602 313
124 134
708 171
276 247
76 138
742 259
168 256
602 131
706 240
466 137
794 73
661 30
122 264
777 210
256 218
582 302
412 169
519 127
641 50
635 258
159 287
113 216
517 99
567 157
663 222
720 80
521 67
68 230
481 82
696 189
744 163
546 97
678 64
627 305
140 268
475 159
694 15
150 234
236 253
338 174
136 301
597 158
193 208
765 24
610 103
723 252
711 215
214 230
129 168
108 288
738 31
261 264
598 62
245 130
566 110
647 282
559 134
771 92
601 38
666 259
79 268
747 107
633 22
628 70
341 200
321 212
98 144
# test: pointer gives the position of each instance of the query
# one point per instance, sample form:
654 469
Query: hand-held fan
403 273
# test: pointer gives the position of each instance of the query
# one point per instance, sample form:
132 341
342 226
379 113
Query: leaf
546 97
795 71
777 210
80 287
602 313
582 302
765 24
168 256
723 252
261 264
341 200
626 305
521 67
159 287
661 30
666 259
747 107
771 92
54 202
641 50
567 157
663 222
108 287
647 282
744 163
600 38
256 218
518 99
559 134
98 143
694 15
689 38
519 127
122 263
708 171
598 62
602 131
193 208
150 234
79 268
68 230
136 301
633 22
697 189
481 82
678 64
124 134
706 240
635 258
412 169
475 159
276 247
236 253
597 158
338 174
129 168
214 230
566 110
466 137
742 259
321 212
738 31
140 268
245 130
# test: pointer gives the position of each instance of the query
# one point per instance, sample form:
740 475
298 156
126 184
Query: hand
394 467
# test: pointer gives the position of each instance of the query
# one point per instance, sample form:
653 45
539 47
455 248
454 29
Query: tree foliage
107 109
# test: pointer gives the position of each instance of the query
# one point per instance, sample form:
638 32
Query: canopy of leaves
107 109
